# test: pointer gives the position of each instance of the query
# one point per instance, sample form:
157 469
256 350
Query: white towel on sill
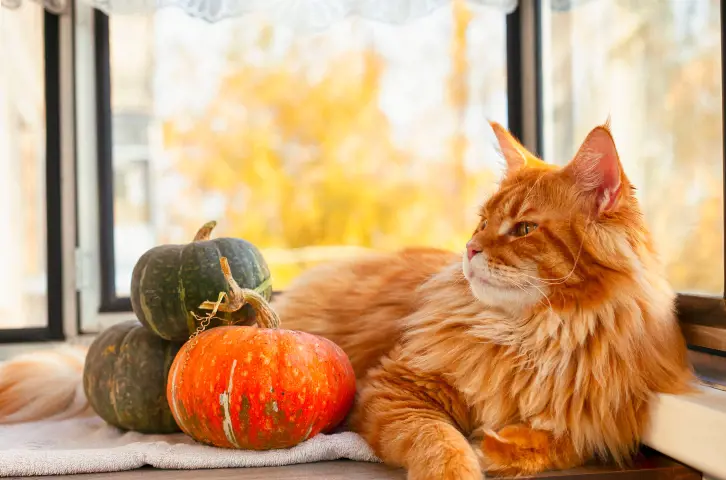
89 445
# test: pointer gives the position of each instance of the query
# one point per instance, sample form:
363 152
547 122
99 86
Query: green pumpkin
125 377
169 282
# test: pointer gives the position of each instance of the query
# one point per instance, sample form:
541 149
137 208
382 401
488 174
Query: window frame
110 302
702 318
53 330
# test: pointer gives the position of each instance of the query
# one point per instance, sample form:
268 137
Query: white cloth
89 445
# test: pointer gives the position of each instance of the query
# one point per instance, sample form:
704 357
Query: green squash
125 378
169 282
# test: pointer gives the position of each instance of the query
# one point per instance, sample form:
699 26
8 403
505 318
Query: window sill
9 350
692 430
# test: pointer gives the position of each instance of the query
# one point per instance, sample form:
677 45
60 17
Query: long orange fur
539 351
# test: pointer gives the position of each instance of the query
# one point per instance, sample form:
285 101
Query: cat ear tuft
514 153
596 168
606 125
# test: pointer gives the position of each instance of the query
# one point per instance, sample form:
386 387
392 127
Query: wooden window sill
649 465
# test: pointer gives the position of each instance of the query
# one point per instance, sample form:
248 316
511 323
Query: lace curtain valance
54 6
316 12
304 14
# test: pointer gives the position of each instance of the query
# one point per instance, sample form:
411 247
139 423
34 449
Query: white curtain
300 14
54 6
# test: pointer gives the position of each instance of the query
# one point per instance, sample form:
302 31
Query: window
29 176
311 147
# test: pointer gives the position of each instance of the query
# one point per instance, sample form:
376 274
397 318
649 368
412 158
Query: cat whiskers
512 281
541 292
544 296
501 273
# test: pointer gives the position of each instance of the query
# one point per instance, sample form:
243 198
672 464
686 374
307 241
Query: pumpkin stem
204 232
238 297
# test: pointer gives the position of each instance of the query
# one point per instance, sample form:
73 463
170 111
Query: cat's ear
596 169
514 152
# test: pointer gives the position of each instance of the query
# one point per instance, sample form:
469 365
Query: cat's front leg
522 450
430 450
415 423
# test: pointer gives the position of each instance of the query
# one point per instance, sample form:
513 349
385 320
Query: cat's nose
472 249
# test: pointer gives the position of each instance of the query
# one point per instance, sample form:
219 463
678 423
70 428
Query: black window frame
53 331
515 79
109 301
702 318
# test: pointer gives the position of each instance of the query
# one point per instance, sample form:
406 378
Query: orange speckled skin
258 388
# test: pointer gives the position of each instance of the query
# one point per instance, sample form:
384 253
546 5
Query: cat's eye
523 228
482 225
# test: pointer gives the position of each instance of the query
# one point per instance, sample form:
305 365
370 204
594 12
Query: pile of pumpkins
208 356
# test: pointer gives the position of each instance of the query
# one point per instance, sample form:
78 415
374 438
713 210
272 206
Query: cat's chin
509 298
492 292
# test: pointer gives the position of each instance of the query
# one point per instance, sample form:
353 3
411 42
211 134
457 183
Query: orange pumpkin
258 388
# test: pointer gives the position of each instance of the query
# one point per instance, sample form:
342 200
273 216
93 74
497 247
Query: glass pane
365 136
655 67
23 285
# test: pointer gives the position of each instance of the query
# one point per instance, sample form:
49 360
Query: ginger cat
539 349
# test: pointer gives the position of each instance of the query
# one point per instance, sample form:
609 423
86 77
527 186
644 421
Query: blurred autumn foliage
306 163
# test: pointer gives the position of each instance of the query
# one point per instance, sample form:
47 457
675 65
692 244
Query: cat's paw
449 464
517 450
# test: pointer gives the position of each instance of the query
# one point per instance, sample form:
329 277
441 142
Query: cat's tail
43 385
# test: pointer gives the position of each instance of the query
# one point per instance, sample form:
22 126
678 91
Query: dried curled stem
205 231
238 297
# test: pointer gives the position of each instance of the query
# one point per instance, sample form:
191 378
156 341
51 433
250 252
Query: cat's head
559 235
